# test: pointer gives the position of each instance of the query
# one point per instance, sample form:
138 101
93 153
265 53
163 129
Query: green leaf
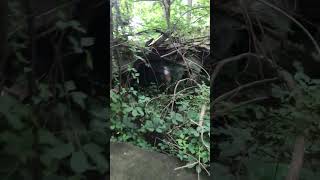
61 151
6 103
79 99
178 117
134 113
70 86
92 148
79 162
94 152
88 41
99 113
76 177
44 92
46 159
15 121
89 60
140 111
61 25
21 59
75 45
76 25
221 172
18 145
60 109
46 137
54 177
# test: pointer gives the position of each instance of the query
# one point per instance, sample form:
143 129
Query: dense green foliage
170 123
74 147
146 16
260 137
59 132
266 105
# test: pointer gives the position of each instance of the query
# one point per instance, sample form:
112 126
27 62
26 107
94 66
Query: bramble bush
169 123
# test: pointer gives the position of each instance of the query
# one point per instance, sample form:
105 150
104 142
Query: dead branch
297 159
255 83
221 63
250 101
298 151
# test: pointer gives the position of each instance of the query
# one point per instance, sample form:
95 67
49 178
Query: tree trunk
190 13
118 18
166 8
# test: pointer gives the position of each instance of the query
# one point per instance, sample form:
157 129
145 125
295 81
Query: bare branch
250 101
221 63
254 83
297 159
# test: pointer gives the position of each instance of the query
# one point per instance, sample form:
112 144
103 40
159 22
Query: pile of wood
179 49
190 54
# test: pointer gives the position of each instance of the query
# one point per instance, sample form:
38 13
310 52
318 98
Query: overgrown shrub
170 123
258 139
